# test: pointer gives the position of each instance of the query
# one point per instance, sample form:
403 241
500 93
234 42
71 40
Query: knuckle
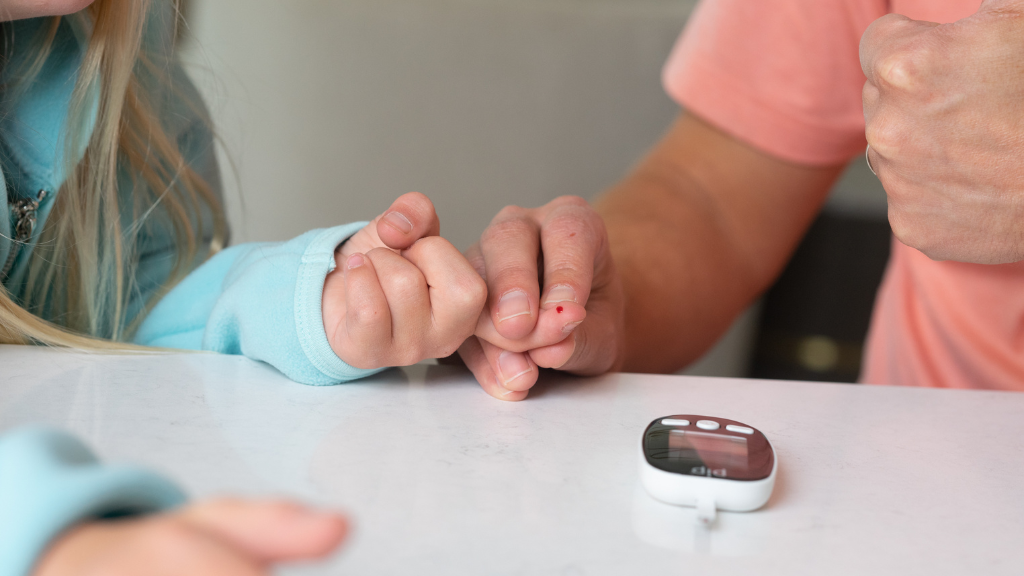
364 314
509 213
903 67
567 273
434 247
407 283
885 134
509 276
506 229
470 292
571 222
895 69
570 201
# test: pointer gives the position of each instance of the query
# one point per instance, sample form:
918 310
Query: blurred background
329 109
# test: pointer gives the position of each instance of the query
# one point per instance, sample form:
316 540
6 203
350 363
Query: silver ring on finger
868 160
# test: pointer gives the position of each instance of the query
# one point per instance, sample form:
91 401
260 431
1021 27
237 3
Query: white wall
332 108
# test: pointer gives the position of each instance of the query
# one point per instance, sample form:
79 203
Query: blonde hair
81 274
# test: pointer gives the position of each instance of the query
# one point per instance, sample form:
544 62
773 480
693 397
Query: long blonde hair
82 271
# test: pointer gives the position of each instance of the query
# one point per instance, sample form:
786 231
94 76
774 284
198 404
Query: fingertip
514 315
355 261
516 371
476 360
560 321
326 531
410 217
511 395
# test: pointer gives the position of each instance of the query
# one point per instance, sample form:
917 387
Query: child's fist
400 293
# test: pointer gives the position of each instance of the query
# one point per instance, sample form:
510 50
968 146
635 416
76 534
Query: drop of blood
559 309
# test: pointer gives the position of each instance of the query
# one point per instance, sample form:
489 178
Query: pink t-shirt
785 77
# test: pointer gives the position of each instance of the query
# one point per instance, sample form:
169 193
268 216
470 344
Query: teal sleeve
260 300
49 482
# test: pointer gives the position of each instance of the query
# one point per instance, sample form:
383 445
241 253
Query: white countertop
442 479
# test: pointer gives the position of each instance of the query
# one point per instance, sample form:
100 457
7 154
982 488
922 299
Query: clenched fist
944 107
400 293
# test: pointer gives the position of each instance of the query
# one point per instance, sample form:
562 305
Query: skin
942 105
400 293
660 265
20 9
219 537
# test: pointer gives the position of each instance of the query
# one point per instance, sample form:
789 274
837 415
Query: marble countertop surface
440 478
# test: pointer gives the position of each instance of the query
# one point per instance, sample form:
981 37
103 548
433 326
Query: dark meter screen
719 453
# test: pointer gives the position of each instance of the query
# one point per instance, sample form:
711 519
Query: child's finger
472 354
409 218
554 325
405 289
367 328
457 293
269 531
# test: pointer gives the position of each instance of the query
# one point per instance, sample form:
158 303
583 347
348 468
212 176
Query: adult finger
596 343
408 301
553 326
368 322
572 234
889 57
556 355
513 370
473 355
510 247
269 531
410 217
457 293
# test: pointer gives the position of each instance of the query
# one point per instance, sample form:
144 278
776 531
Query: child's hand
223 537
400 293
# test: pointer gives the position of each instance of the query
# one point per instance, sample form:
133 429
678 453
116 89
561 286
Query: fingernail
399 221
512 304
568 328
512 366
561 293
354 261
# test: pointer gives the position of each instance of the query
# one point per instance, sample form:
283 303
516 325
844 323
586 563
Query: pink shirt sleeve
781 75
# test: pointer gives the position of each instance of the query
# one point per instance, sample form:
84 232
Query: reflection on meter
708 462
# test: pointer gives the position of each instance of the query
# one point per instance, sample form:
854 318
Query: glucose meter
706 462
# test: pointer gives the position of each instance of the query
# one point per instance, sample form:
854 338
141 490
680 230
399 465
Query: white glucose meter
706 462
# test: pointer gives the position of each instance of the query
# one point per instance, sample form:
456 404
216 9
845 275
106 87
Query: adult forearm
684 281
701 227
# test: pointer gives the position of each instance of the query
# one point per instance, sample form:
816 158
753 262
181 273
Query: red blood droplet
559 309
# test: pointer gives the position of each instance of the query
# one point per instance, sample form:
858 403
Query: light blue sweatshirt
49 481
262 300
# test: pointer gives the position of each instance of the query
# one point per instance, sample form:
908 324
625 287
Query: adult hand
943 110
400 293
554 298
219 537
